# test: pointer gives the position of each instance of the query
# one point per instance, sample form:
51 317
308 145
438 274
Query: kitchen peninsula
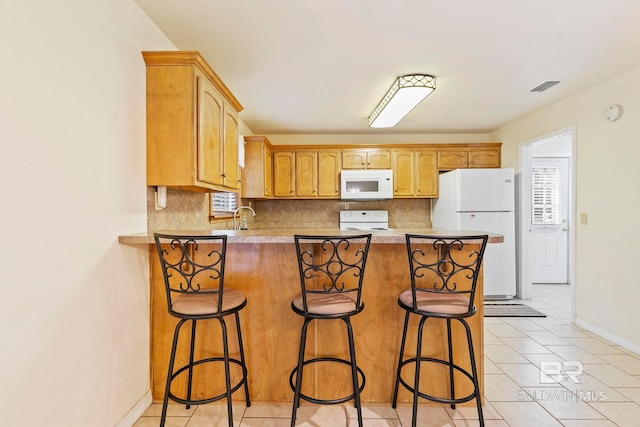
262 264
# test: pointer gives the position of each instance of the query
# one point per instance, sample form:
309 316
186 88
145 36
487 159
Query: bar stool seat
193 270
331 276
444 273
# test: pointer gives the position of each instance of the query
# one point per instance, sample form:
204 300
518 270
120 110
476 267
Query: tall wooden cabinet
192 124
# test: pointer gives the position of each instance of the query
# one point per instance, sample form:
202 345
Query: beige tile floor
517 392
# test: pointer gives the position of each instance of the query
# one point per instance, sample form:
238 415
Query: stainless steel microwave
366 184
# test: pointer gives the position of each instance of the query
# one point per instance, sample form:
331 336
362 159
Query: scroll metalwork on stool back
332 264
192 265
445 264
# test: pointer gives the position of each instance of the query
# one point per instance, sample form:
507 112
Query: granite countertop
286 235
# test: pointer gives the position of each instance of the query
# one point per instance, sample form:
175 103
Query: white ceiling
321 67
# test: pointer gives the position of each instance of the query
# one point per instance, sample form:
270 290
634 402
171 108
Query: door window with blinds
546 195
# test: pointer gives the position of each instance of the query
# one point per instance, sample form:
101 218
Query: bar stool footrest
327 401
235 387
436 398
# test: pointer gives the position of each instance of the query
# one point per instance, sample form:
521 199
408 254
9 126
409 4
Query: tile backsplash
403 213
188 210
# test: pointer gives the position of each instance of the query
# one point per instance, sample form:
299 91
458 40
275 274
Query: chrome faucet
235 213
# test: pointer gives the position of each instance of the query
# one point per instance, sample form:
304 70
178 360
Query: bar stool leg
296 395
172 358
244 364
191 351
474 372
450 345
416 396
400 360
227 371
354 371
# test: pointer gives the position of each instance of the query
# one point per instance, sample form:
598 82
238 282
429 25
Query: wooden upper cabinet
366 158
484 158
306 174
403 165
192 124
329 166
313 172
257 175
468 157
415 173
230 163
210 152
453 159
284 174
426 173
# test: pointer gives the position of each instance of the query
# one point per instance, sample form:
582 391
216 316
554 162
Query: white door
549 219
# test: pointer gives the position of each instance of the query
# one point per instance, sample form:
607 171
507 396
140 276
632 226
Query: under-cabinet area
313 172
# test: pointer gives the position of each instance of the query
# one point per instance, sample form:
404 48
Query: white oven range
364 220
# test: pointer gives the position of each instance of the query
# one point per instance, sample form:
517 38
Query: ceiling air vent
545 85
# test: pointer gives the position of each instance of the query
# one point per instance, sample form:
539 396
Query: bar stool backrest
192 265
332 264
445 265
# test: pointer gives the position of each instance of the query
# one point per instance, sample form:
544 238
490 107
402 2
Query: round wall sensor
613 113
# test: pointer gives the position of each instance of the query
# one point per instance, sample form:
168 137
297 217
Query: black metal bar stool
331 274
193 269
444 274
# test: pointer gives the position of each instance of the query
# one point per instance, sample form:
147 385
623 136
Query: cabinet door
210 154
230 158
484 158
306 174
426 173
448 160
329 173
268 172
378 159
354 159
402 163
284 174
257 174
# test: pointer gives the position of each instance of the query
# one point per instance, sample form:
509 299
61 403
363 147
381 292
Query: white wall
607 189
74 311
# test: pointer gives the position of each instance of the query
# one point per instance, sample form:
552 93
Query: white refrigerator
482 200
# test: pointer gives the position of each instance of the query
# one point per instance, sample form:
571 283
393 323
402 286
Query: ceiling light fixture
402 97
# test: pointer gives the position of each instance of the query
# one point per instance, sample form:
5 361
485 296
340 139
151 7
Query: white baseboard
138 409
630 345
